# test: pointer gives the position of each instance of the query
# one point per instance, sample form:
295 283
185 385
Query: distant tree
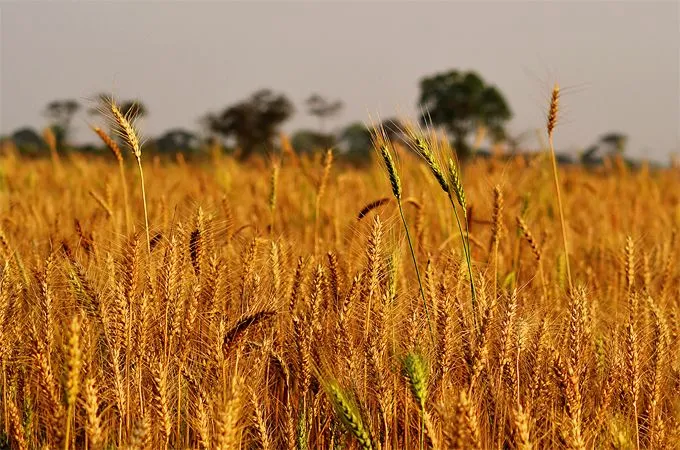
60 113
460 102
355 138
589 156
306 141
27 139
177 139
29 142
612 143
564 159
254 122
322 109
615 141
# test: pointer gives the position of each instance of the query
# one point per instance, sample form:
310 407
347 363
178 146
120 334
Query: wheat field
297 302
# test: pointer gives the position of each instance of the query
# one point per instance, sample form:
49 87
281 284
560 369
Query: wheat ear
129 134
349 416
382 145
552 121
416 372
73 364
16 426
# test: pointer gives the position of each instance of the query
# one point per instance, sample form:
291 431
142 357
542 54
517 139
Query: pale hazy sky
618 61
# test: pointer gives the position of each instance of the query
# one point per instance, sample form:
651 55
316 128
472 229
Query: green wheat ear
391 170
301 429
415 369
348 413
382 145
424 148
457 186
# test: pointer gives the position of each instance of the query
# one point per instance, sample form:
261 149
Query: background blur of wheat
268 315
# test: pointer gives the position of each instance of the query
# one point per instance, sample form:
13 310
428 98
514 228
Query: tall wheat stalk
113 146
451 186
129 134
272 194
323 182
382 145
496 232
552 121
456 187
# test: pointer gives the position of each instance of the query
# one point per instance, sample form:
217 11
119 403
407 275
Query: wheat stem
466 250
146 213
552 120
415 265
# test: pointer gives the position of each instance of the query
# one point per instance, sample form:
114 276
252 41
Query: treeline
472 112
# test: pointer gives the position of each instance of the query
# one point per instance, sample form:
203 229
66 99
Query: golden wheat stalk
127 131
113 146
323 182
382 144
74 364
273 193
552 122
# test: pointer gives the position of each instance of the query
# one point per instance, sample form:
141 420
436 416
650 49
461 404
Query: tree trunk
246 147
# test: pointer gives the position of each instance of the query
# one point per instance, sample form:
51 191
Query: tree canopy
615 140
60 113
460 102
322 109
253 122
